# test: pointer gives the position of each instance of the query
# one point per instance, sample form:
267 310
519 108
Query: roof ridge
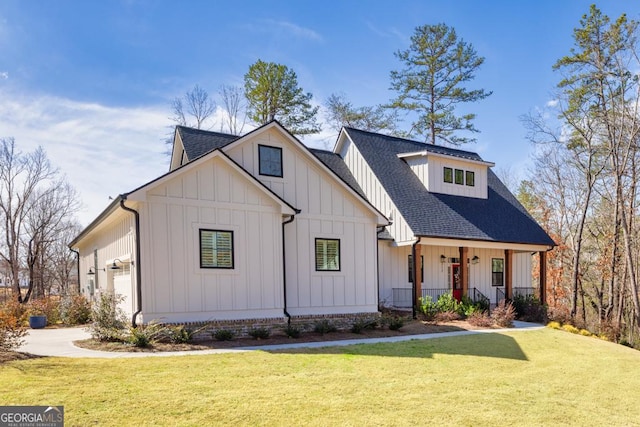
427 146
207 132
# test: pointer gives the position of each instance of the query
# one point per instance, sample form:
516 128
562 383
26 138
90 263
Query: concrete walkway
59 343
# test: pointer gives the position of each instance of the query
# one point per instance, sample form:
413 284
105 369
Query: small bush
109 321
179 334
259 333
529 309
46 306
447 316
324 326
12 330
447 302
224 335
428 307
504 314
395 323
480 319
570 328
145 335
292 331
554 325
362 324
74 310
585 333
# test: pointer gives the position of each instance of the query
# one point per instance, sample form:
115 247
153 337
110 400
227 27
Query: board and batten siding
214 196
375 192
114 240
327 210
437 275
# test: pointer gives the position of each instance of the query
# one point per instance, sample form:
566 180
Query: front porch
489 271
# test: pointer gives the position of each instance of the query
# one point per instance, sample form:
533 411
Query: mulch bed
414 327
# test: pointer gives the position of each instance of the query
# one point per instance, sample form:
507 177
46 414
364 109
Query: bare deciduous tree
193 109
234 105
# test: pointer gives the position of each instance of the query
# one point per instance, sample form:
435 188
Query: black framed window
270 159
448 175
411 268
459 177
497 272
216 249
327 255
470 178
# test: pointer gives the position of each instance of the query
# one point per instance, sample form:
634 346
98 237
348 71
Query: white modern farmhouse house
261 227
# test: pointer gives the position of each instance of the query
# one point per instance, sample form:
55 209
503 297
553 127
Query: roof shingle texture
499 218
197 142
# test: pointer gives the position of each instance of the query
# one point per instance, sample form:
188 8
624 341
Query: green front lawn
543 377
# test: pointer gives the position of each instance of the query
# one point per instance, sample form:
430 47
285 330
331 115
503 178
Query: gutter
77 268
414 301
284 268
136 215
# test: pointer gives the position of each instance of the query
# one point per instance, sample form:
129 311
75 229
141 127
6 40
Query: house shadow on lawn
480 345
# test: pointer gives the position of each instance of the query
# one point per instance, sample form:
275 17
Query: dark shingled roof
198 142
500 218
338 166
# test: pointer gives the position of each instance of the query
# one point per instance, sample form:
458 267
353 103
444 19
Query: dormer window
448 175
270 159
459 177
470 178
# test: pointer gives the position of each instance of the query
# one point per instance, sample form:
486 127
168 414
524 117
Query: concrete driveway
58 342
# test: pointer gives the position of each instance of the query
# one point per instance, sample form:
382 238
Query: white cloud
4 75
103 151
293 29
552 103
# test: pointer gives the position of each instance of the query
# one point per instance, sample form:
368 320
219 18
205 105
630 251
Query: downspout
136 215
284 268
77 268
378 231
414 301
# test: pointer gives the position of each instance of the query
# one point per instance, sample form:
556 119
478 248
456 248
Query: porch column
508 276
464 270
543 277
417 279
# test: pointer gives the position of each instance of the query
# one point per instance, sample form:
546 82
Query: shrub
179 334
395 323
109 321
585 333
16 310
145 335
447 302
529 309
570 328
324 326
12 330
480 319
74 310
259 333
46 306
554 325
560 314
292 331
428 307
504 314
362 324
447 316
224 335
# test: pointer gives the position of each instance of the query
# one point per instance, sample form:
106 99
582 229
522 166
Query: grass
542 377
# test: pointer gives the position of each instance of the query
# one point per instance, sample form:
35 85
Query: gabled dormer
189 144
444 173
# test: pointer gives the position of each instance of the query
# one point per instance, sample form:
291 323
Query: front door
456 283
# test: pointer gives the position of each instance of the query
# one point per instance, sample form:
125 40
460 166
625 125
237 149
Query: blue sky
91 81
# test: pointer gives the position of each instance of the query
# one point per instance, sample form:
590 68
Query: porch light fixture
114 266
92 271
475 259
443 259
